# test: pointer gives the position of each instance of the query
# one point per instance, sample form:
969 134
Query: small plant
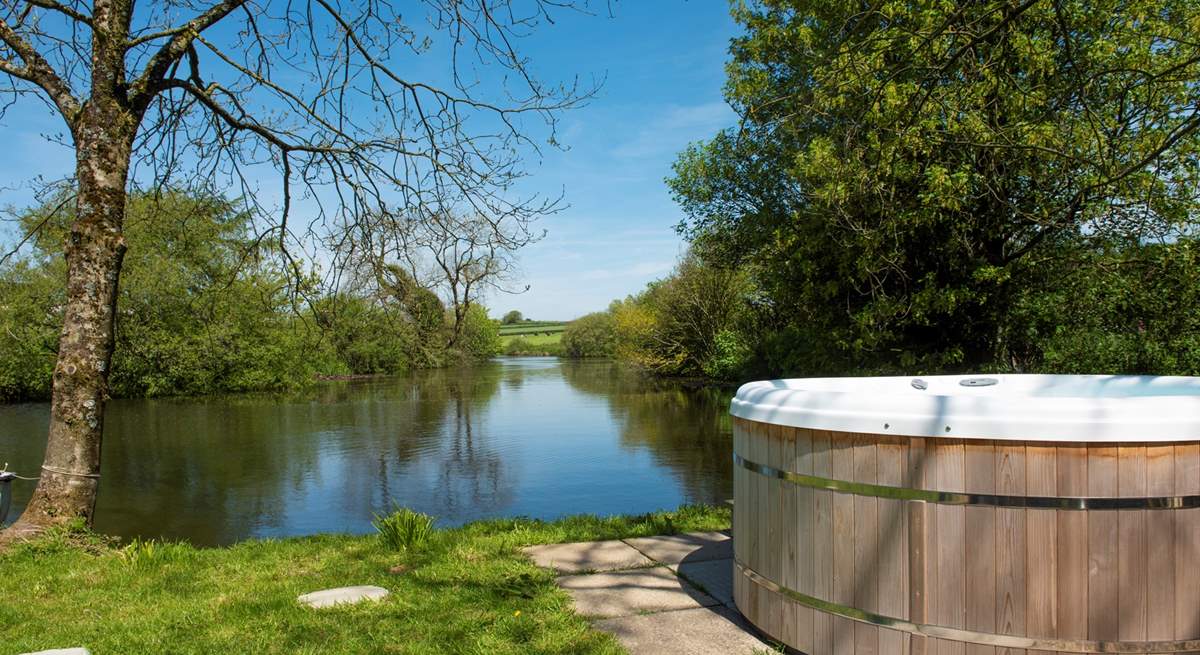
403 529
143 554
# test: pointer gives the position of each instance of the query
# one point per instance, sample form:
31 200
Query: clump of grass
404 529
141 554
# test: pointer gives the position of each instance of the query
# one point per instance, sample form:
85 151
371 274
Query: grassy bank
532 344
469 590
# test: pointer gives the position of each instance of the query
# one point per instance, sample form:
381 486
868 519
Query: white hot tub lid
1096 408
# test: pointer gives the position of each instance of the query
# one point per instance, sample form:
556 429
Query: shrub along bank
205 306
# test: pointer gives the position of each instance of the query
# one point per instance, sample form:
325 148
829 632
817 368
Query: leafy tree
202 309
592 335
903 171
512 317
221 91
678 324
479 335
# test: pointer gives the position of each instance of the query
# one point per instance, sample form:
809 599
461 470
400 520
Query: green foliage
207 307
479 335
904 174
672 327
148 554
593 335
512 317
404 529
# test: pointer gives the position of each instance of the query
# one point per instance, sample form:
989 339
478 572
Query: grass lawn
469 590
533 339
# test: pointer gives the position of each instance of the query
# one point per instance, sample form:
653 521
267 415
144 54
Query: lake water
533 437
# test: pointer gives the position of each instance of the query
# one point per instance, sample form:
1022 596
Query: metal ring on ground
956 498
968 636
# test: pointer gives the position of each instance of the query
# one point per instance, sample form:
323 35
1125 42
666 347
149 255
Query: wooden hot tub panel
868 543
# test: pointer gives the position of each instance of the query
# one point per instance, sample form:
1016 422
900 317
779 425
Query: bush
403 529
593 335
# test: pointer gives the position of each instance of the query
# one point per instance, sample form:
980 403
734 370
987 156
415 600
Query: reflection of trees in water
687 430
215 470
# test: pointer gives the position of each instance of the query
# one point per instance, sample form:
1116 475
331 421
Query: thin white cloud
674 128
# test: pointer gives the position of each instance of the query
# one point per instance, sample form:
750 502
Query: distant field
532 328
538 340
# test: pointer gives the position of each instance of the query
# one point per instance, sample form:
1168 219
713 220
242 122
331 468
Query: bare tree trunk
70 475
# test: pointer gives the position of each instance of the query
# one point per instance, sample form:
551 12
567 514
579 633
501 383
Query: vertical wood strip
822 542
1041 527
922 571
1072 544
1187 544
803 538
893 544
1160 543
949 464
866 544
1103 590
842 452
789 533
1132 550
1010 544
981 543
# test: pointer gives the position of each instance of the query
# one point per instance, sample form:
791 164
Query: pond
537 437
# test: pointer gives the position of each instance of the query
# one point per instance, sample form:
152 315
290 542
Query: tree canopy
904 172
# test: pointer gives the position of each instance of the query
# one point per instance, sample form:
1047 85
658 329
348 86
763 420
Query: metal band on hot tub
968 636
957 498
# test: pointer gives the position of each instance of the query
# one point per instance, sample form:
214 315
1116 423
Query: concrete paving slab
674 548
715 577
343 596
698 631
625 593
587 556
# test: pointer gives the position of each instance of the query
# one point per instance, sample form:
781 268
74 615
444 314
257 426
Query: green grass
467 590
532 328
539 344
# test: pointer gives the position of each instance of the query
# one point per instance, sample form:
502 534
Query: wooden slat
866 544
804 561
822 542
1041 527
1103 590
1072 544
1010 544
981 543
893 545
773 554
950 604
842 455
1131 543
1187 544
922 568
1160 543
789 533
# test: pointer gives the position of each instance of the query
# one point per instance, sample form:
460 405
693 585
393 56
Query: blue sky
663 66
663 63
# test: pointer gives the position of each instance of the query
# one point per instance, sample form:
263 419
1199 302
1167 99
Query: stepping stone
343 596
587 556
694 546
62 651
714 576
624 593
698 631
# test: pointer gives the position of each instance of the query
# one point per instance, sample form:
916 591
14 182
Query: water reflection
528 436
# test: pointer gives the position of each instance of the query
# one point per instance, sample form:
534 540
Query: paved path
668 594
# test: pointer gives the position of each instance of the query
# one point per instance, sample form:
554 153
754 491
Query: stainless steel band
956 498
968 636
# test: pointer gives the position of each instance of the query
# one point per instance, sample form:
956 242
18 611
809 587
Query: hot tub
970 514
